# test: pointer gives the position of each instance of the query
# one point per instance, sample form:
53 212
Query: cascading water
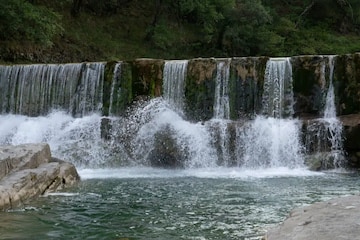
58 92
115 79
37 89
174 83
155 133
221 103
334 126
218 126
270 140
324 135
278 99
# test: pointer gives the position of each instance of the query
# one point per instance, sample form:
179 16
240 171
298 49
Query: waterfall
221 103
37 89
330 109
67 100
278 100
324 135
273 140
219 124
334 126
174 83
116 78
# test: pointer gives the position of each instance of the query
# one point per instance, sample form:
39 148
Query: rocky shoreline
28 171
338 218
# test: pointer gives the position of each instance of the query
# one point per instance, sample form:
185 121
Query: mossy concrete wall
200 89
246 86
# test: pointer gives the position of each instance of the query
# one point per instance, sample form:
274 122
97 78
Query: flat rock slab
334 219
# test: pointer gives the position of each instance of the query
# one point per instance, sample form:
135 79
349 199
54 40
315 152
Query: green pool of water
172 204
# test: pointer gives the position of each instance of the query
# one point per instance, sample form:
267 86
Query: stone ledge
29 171
334 219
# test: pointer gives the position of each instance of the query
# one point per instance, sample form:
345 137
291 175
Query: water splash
270 142
159 132
77 140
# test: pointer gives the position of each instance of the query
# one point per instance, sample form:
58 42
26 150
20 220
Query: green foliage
22 21
128 29
247 30
205 13
162 37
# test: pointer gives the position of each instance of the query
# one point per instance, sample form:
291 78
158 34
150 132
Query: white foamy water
271 142
217 172
192 139
77 140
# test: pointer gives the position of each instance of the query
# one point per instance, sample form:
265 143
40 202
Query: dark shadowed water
145 203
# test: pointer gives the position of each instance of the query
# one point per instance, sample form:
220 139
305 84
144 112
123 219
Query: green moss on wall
147 77
108 79
347 71
243 88
200 89
308 85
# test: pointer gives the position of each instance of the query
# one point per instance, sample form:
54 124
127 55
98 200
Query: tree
206 14
247 30
22 21
75 8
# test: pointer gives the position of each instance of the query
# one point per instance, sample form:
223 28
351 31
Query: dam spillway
137 121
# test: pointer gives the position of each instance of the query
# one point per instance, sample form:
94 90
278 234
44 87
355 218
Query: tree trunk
76 6
158 10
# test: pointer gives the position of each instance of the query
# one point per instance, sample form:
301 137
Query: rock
147 76
334 219
28 171
166 152
20 157
351 134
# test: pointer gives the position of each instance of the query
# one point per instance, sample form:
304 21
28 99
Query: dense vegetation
88 30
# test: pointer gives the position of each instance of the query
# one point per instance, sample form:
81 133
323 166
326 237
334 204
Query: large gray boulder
334 219
27 171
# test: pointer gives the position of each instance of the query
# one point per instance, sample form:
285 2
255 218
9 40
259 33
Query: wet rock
309 85
166 152
334 219
348 75
351 133
28 171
